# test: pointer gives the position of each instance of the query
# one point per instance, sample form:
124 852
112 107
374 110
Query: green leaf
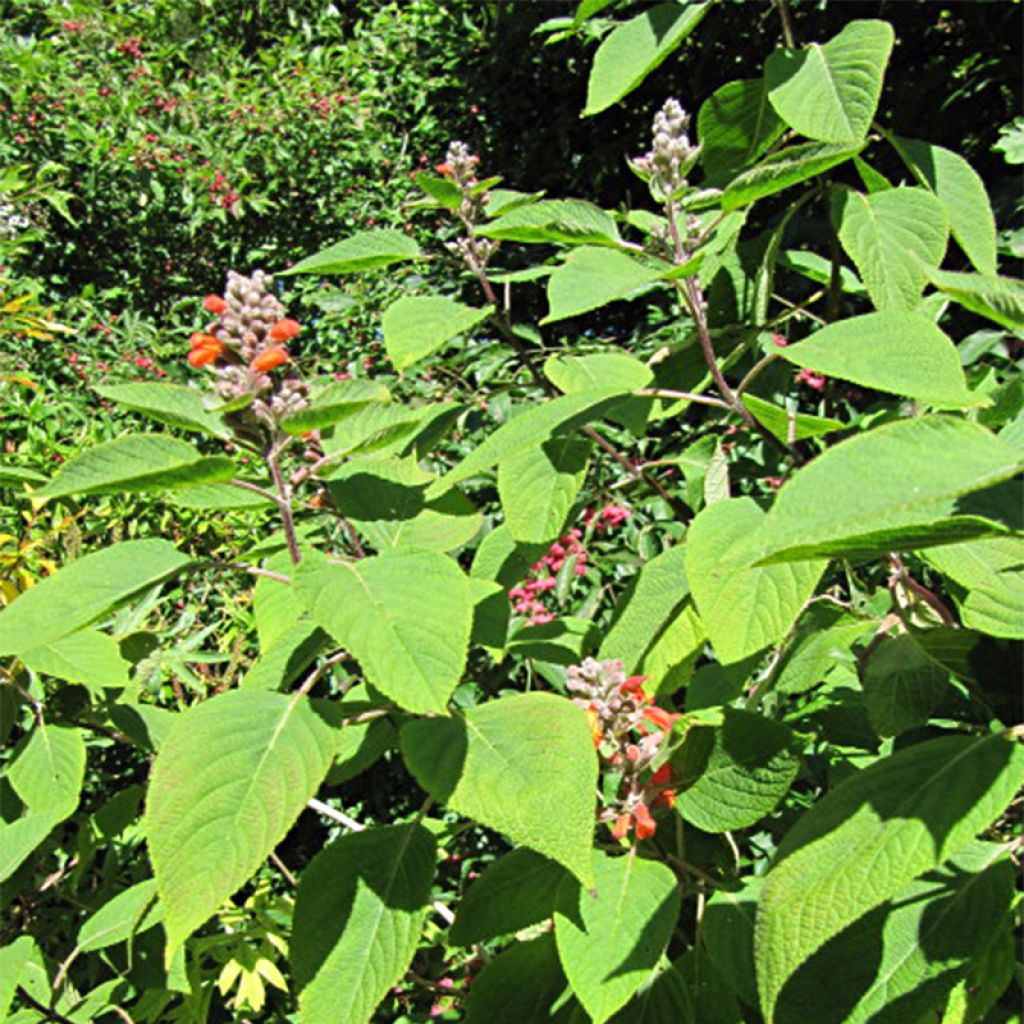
443 191
751 763
359 910
20 837
520 984
418 326
219 496
13 958
727 931
920 470
538 486
591 278
175 404
736 124
902 353
334 403
632 50
902 685
784 169
997 606
900 961
868 838
777 420
83 591
893 237
48 769
138 462
365 250
571 374
829 93
88 657
655 596
823 640
566 221
664 996
129 913
17 475
668 662
228 781
406 617
533 427
514 892
524 765
962 193
1000 299
744 608
376 427
611 940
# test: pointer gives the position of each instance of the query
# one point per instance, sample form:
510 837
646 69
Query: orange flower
200 340
199 357
284 330
645 824
662 775
269 358
215 304
595 725
666 798
622 825
660 718
445 169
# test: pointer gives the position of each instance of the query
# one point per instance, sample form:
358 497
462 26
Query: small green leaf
1000 299
902 353
521 984
138 462
418 326
592 277
523 765
611 939
829 93
632 50
13 959
228 781
799 426
566 221
902 685
571 374
129 913
736 124
48 769
20 837
365 250
88 657
334 403
175 404
359 911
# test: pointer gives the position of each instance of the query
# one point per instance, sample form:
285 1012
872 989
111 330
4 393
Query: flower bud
284 330
215 304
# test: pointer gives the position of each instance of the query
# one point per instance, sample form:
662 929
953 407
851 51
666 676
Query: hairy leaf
736 124
365 250
417 326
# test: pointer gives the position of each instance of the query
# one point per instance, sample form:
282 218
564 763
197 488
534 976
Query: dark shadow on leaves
435 753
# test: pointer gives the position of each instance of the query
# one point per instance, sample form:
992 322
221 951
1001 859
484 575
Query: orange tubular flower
622 825
204 355
284 330
269 358
645 824
595 725
200 340
215 304
445 169
660 718
666 798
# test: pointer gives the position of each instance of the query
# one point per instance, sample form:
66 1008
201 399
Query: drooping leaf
566 221
175 404
632 50
406 617
736 124
1000 299
514 892
48 769
893 237
365 250
829 93
335 402
227 783
920 470
799 426
88 657
902 685
417 326
359 910
592 277
744 608
900 352
521 984
610 942
868 838
129 913
751 764
524 765
83 591
138 462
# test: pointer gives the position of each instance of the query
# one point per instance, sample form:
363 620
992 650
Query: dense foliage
573 574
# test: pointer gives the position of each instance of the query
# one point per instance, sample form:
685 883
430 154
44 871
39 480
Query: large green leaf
655 596
784 169
83 591
538 486
746 770
744 608
335 402
592 277
520 984
1000 299
892 237
609 941
417 326
365 250
406 617
129 913
524 765
138 462
902 685
606 370
228 781
516 891
531 428
88 657
359 910
566 221
174 404
962 193
632 50
830 93
48 769
899 352
920 471
736 124
867 839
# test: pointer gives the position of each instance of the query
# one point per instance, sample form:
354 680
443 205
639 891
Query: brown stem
789 37
285 505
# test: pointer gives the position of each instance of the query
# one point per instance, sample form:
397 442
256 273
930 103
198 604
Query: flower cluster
459 167
672 155
246 343
629 732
